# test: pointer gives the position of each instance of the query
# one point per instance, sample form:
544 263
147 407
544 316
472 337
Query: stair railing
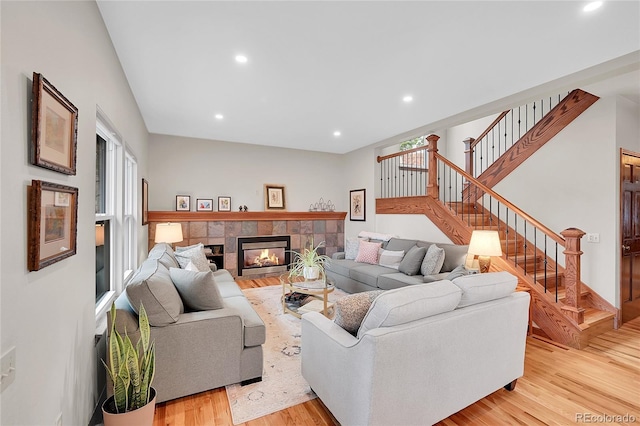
508 127
404 173
540 255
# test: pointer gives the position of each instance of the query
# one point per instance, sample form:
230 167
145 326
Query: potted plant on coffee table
131 369
309 263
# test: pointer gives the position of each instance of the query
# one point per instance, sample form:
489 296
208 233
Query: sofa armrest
329 329
338 255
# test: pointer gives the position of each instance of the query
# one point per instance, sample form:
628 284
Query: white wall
208 169
48 315
573 181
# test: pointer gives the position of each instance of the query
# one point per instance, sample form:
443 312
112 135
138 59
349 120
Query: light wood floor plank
558 384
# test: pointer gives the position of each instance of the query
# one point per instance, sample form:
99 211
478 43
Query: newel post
572 281
468 155
432 149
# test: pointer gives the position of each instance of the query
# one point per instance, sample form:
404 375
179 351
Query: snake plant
131 368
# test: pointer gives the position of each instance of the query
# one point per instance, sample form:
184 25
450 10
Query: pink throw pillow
368 252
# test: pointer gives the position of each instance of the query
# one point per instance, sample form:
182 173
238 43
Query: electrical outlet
8 368
593 238
59 420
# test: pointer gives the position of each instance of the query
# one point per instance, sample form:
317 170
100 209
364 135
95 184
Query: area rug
282 384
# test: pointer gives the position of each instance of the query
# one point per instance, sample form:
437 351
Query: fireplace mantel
173 216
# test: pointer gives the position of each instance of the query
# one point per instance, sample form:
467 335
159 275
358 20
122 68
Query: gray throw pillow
350 310
185 248
198 290
459 271
195 255
411 262
433 260
351 247
152 286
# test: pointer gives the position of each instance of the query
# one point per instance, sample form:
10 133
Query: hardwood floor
560 386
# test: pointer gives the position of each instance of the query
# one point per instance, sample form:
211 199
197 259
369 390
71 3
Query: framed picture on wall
145 202
53 218
357 204
183 203
274 197
204 204
54 128
224 204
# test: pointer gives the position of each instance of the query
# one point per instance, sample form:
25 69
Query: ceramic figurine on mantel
243 209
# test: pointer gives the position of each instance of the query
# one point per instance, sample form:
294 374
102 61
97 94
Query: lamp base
484 262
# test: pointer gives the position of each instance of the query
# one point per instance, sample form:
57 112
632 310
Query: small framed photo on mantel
274 197
54 128
204 205
183 203
224 204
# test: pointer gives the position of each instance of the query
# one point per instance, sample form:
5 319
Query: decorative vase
143 416
311 272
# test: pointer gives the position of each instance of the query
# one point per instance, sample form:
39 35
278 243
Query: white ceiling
319 66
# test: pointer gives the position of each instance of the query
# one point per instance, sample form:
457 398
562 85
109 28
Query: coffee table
317 289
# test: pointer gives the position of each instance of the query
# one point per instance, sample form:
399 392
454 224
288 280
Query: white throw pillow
390 258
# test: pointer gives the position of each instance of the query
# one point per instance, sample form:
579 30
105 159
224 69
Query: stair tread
593 316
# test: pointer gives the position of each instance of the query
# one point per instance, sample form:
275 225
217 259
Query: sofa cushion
396 244
368 274
454 256
198 290
390 258
368 252
152 286
406 304
397 280
341 266
351 247
478 288
164 253
433 260
350 310
435 277
195 255
254 329
410 265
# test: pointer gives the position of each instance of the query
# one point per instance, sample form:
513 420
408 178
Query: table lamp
485 244
168 233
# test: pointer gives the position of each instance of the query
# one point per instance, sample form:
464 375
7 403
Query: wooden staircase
530 264
560 116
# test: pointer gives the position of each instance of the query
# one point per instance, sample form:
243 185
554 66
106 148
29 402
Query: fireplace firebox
263 255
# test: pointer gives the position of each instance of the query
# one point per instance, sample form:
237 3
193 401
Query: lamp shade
99 235
168 233
485 243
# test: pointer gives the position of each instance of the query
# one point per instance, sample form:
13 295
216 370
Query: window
116 213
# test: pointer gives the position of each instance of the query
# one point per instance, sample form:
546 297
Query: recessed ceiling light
337 133
219 116
241 59
407 98
590 7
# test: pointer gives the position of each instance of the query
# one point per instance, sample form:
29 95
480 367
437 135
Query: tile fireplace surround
226 227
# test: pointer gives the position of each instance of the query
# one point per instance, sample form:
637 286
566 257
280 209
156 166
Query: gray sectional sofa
196 350
355 277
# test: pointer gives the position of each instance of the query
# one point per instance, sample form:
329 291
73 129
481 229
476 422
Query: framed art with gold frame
274 198
54 128
53 220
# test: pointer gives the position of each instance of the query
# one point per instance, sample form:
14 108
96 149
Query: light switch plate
8 368
593 238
